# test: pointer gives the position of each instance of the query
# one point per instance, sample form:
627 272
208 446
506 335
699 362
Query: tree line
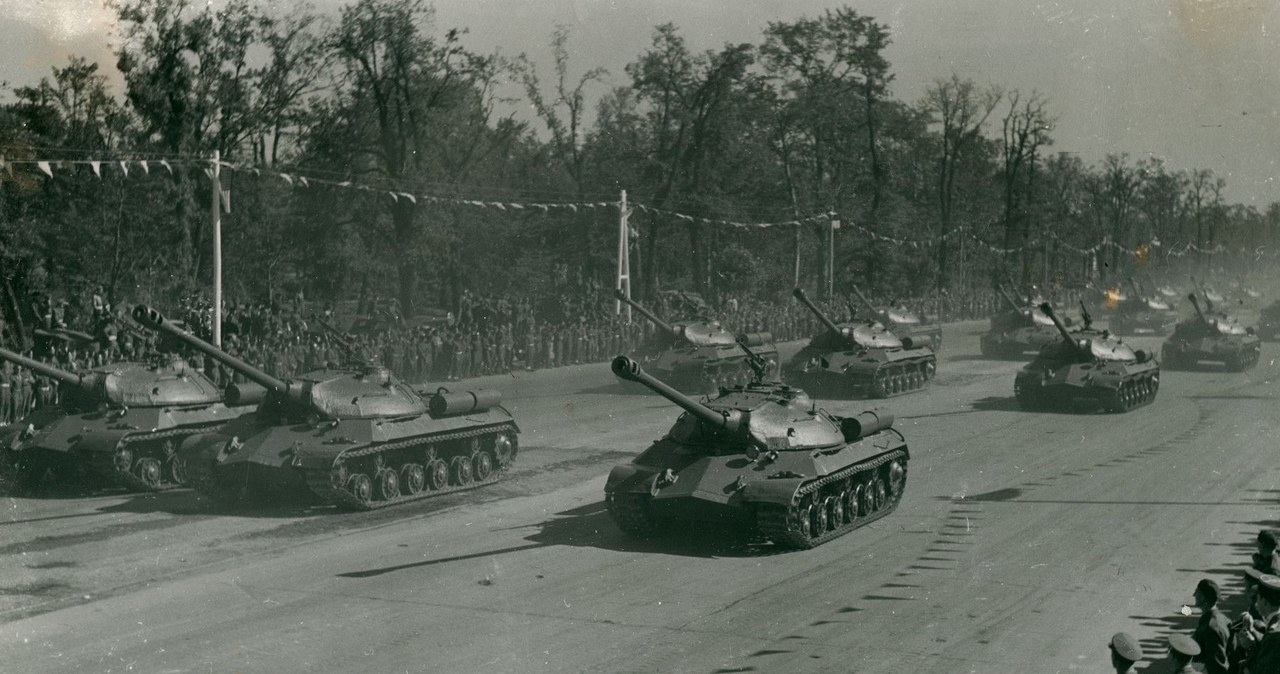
802 121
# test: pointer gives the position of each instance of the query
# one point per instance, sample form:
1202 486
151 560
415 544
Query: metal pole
831 257
217 249
624 256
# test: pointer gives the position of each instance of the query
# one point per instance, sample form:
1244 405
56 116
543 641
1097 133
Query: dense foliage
958 187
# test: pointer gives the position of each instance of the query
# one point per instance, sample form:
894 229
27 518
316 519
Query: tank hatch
1111 349
707 334
872 336
903 317
784 417
145 385
369 393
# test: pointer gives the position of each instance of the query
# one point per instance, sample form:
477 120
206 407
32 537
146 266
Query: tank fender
245 394
452 404
757 338
630 478
99 441
780 491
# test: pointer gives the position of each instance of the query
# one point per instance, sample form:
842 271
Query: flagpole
217 249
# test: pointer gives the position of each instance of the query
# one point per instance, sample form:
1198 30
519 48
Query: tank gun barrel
865 302
653 318
343 341
1196 303
730 422
55 373
1008 297
1057 322
804 299
1084 316
154 320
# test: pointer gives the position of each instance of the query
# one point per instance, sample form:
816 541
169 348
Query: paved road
1024 540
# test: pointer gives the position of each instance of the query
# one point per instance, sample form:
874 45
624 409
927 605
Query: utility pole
831 257
624 255
217 248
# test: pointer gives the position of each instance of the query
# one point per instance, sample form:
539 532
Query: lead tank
761 455
904 323
119 423
1087 366
354 436
1017 330
859 358
698 355
1219 338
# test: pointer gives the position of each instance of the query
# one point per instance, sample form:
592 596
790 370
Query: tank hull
706 369
355 464
1017 342
1110 386
870 373
1236 352
1142 322
133 447
800 499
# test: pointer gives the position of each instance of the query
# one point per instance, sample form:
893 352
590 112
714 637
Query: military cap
1252 575
1209 588
1269 582
1272 536
1126 646
1184 644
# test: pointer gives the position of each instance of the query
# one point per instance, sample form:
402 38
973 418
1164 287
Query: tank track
362 479
835 504
1133 393
901 377
146 461
631 513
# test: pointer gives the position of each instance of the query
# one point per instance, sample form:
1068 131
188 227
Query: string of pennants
47 166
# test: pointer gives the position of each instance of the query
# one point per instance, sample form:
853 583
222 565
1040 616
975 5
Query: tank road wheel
149 471
880 387
388 485
504 450
854 493
123 459
460 471
805 517
360 487
897 479
848 505
819 524
176 470
930 368
868 492
631 513
482 464
413 478
437 474
835 511
882 494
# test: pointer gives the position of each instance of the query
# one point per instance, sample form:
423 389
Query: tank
904 323
859 358
1269 321
762 456
1017 330
118 423
352 436
1211 337
1141 314
1087 367
698 355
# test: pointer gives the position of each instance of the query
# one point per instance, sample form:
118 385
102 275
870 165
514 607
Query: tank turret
1047 310
1010 303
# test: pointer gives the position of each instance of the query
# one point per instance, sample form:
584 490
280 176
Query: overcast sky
1196 82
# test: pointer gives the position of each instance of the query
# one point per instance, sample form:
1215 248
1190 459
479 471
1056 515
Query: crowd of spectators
1249 644
486 335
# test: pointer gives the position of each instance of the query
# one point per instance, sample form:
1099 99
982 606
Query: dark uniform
1213 632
